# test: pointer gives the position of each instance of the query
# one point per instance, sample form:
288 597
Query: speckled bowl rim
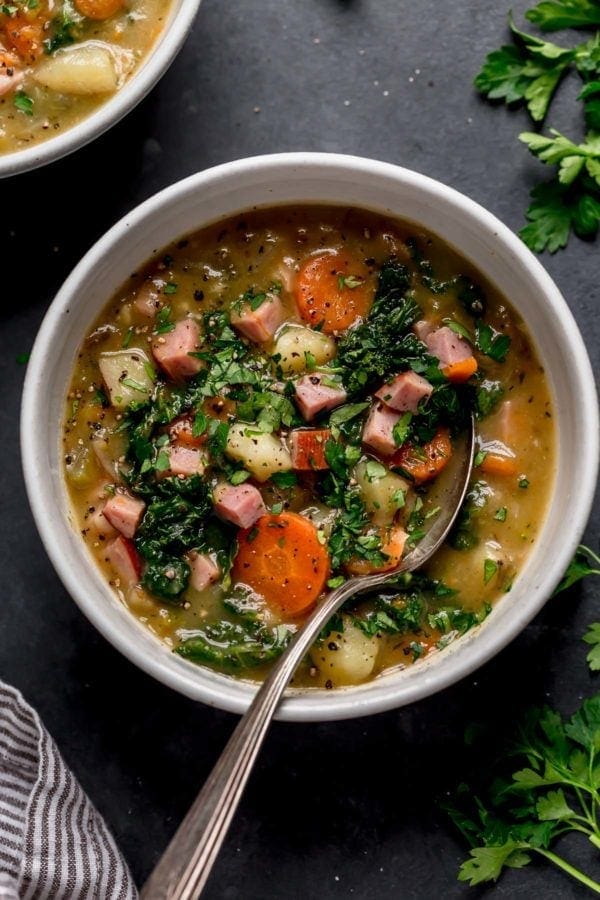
324 178
151 70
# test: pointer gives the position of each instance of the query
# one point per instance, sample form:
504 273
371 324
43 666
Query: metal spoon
187 862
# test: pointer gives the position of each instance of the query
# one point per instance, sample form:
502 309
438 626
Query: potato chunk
346 657
87 69
261 454
295 341
127 375
382 491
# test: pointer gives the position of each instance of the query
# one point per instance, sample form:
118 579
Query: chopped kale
232 646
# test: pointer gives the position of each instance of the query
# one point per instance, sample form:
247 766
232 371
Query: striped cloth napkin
53 843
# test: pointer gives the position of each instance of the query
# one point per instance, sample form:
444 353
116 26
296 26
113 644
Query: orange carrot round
426 462
334 289
459 372
98 9
282 559
25 36
495 464
392 544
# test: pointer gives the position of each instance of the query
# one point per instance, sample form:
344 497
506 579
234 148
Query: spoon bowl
187 862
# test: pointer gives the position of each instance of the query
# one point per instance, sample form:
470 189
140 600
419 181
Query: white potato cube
261 454
382 491
295 341
87 69
346 657
128 376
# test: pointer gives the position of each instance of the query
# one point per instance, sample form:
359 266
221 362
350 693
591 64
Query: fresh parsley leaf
486 863
592 637
501 514
519 812
585 562
527 72
591 106
490 568
284 479
401 428
23 102
491 342
163 321
552 15
487 396
571 159
556 210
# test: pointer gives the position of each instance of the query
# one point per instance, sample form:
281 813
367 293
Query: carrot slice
98 9
460 371
25 36
393 541
282 559
334 289
495 464
308 448
426 462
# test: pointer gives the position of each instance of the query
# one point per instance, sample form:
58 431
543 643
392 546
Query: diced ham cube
125 560
184 461
379 427
312 396
240 504
124 513
259 324
172 350
448 346
308 448
423 329
147 301
405 392
203 570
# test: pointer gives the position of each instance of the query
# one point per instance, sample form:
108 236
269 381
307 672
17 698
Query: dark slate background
349 809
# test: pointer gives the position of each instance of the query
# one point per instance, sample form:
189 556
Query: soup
60 61
268 408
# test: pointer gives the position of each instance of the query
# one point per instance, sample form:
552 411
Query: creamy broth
57 65
227 268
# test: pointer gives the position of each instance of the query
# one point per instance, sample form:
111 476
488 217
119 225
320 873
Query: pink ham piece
312 396
378 430
184 461
239 504
125 560
124 513
448 346
203 570
405 392
423 329
171 350
259 324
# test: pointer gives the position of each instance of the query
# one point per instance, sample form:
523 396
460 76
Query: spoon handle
187 862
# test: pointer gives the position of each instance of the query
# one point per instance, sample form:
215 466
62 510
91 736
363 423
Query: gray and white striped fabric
53 843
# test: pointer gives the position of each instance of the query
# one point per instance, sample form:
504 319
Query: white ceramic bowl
150 71
323 178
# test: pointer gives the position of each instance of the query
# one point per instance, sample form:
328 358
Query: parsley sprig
528 72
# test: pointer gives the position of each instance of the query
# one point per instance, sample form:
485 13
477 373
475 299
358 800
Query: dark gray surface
340 810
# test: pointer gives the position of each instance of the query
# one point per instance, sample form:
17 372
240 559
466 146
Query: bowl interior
179 20
319 178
